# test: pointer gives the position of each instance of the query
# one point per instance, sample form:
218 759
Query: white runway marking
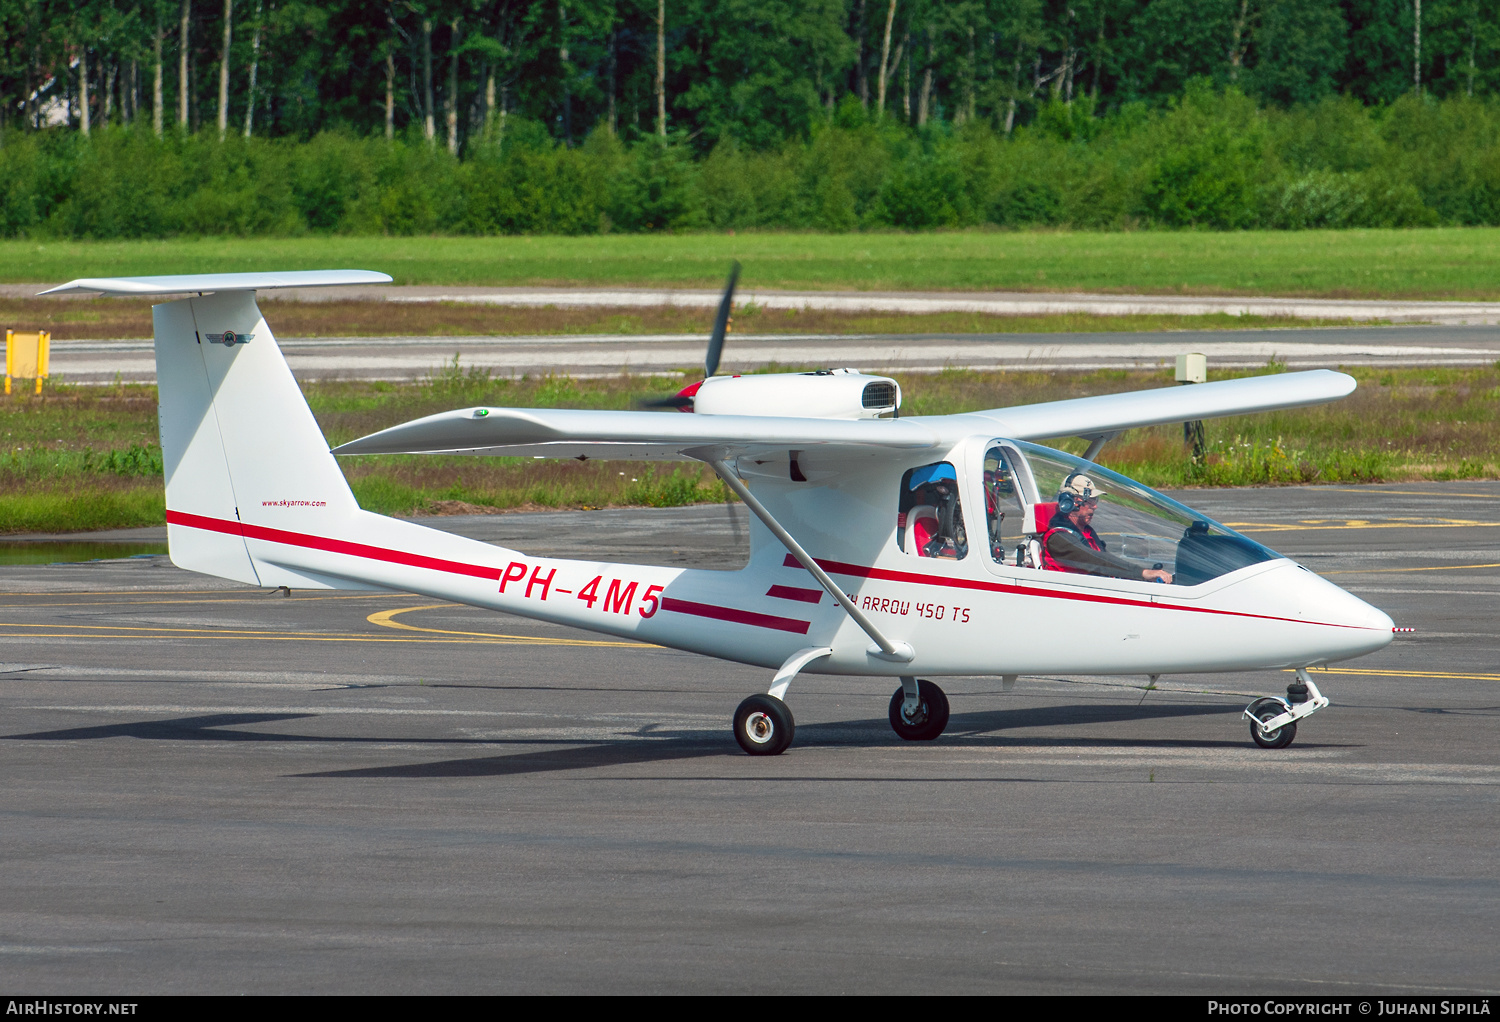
608 355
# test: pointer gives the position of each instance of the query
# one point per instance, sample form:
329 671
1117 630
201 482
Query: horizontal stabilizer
192 283
569 432
1109 413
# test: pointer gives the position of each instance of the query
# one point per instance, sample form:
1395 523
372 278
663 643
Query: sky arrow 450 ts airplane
881 545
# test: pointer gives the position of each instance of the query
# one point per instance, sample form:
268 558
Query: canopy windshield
1139 524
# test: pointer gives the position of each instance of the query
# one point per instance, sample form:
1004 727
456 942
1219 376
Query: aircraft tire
1265 709
763 725
934 713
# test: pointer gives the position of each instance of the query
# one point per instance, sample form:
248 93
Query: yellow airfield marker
27 357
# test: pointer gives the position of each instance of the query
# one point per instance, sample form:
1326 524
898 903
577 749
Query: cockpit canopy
1022 484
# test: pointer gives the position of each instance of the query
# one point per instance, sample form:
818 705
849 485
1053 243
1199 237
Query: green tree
1299 48
757 65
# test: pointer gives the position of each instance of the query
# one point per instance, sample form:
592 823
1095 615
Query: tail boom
629 601
254 495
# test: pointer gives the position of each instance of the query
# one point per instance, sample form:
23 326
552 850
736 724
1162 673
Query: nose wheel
1260 713
922 719
763 726
1273 721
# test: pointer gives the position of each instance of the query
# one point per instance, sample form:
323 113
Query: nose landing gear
1261 713
1273 720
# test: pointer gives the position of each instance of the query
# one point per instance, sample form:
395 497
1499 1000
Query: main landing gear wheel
1266 709
763 726
930 718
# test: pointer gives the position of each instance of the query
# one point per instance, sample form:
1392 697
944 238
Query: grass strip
83 458
1365 263
82 508
69 319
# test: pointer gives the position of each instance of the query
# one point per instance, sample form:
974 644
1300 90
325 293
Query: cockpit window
929 520
1134 526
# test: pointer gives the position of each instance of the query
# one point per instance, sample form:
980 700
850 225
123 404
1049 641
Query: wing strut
1096 444
899 652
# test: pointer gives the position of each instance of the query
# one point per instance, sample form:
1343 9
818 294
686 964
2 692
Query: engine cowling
826 394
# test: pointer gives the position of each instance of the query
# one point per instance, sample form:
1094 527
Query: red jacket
1085 532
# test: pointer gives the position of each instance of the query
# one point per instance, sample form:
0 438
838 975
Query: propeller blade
721 324
675 401
682 400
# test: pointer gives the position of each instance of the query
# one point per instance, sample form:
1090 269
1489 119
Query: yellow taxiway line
1452 675
259 597
174 592
264 638
162 630
1389 571
265 635
1322 524
386 618
268 637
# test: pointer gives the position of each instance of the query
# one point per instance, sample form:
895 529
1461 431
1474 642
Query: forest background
154 118
127 119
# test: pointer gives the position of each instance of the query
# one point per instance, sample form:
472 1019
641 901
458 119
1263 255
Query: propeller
684 397
721 324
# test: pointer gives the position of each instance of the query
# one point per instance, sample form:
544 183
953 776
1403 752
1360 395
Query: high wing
1111 413
574 433
657 436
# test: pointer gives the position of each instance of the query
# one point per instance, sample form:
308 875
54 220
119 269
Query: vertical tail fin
241 449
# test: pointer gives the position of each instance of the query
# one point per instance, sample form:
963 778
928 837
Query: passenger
1071 544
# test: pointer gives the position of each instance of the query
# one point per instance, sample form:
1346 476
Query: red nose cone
688 392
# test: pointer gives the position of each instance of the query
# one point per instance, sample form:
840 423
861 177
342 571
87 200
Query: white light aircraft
881 545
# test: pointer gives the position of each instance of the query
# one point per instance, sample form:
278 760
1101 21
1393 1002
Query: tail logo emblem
229 338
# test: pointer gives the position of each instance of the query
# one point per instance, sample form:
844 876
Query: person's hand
1157 575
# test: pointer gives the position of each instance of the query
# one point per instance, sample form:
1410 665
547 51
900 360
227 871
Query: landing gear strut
919 710
1273 720
763 725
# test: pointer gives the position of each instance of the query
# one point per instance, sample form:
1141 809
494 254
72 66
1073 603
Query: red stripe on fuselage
793 593
375 553
1017 589
334 546
739 617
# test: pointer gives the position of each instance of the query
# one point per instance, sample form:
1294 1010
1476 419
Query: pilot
1071 544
